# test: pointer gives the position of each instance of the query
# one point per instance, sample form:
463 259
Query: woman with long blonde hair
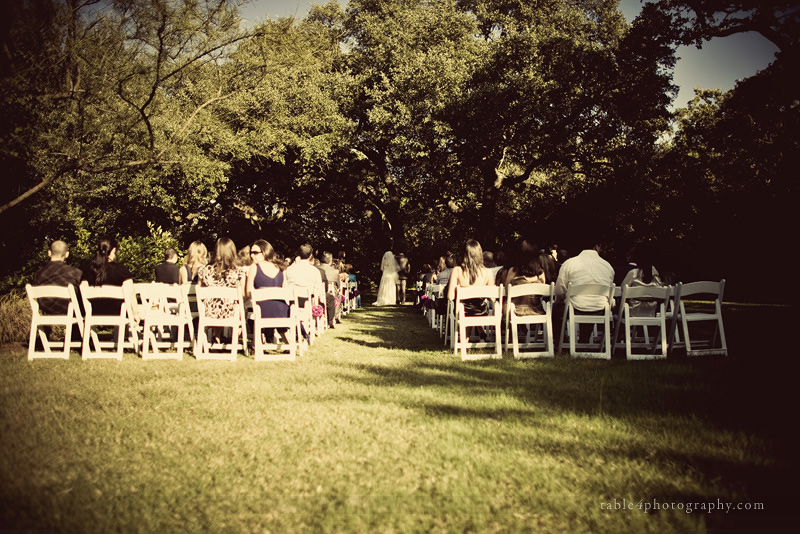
196 257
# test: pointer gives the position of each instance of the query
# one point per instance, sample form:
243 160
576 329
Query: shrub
15 318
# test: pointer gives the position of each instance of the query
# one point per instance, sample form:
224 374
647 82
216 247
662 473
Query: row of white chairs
162 321
616 326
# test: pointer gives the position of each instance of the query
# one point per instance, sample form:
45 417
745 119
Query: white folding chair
708 331
123 325
538 339
277 350
630 321
166 316
433 294
208 350
304 296
572 319
490 323
419 290
41 323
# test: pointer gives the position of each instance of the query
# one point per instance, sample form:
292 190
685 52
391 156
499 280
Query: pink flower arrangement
316 311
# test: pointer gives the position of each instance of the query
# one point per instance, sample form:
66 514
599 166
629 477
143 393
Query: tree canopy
387 124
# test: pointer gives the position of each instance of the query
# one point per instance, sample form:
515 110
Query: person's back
331 272
56 273
585 268
168 272
302 273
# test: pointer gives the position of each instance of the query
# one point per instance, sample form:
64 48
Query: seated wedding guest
588 267
443 278
243 257
265 273
548 263
428 275
527 269
643 274
196 257
56 273
104 271
303 273
224 271
168 272
470 273
621 270
351 276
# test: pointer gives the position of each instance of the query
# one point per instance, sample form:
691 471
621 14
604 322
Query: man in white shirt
585 268
302 272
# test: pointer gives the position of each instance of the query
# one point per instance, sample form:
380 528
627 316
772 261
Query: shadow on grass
740 392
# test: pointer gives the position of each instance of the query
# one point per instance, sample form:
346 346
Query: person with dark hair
643 274
527 269
224 271
549 266
168 272
302 272
264 272
103 270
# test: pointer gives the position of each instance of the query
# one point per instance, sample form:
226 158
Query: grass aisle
378 429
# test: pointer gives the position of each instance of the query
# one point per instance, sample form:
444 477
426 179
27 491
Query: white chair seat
165 316
41 322
265 350
205 349
538 340
124 326
490 323
572 319
708 335
630 321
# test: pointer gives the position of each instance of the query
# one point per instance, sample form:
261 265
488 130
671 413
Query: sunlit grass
379 429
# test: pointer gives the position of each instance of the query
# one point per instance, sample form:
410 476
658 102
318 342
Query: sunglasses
254 252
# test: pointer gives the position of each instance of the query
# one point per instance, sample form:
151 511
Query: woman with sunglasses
264 272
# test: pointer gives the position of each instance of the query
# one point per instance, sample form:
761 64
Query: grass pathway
379 429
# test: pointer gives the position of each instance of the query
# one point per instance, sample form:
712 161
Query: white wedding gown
387 290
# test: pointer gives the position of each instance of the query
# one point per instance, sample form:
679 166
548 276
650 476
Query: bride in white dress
387 290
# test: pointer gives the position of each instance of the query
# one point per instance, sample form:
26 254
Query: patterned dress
208 277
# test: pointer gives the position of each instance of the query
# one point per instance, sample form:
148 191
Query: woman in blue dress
265 273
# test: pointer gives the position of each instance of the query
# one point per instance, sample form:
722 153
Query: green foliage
141 254
15 317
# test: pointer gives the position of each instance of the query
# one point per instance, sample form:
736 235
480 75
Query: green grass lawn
379 429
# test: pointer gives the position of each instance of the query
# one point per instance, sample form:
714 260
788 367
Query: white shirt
303 274
585 268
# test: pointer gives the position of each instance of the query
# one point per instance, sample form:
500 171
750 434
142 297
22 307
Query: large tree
107 110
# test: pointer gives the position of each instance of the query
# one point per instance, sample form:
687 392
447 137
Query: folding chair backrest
703 289
660 294
89 294
50 294
232 294
286 294
479 292
524 290
586 290
66 293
